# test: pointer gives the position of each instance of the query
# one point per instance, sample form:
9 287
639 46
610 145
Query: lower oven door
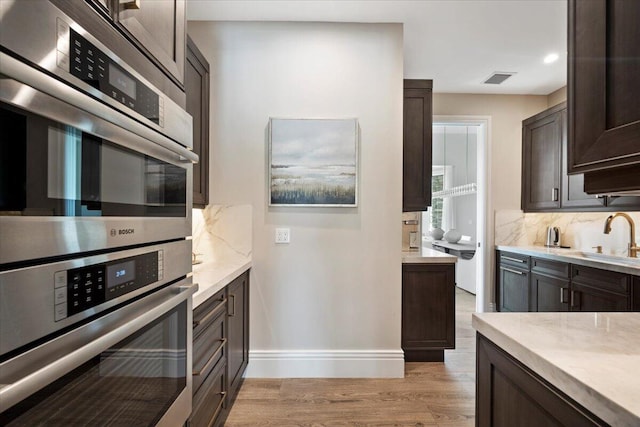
131 367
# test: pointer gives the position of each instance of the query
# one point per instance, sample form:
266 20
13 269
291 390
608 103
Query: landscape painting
313 162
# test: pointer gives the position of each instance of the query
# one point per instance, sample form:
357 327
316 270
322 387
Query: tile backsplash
580 230
223 233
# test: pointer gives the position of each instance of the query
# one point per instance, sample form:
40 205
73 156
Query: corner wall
327 304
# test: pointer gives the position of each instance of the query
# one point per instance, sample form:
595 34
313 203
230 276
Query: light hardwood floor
431 394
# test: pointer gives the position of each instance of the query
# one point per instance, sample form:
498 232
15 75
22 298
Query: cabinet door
508 393
623 203
238 324
513 289
586 298
417 153
196 84
603 84
550 294
541 154
428 306
158 27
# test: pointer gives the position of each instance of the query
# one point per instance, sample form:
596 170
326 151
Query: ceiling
457 43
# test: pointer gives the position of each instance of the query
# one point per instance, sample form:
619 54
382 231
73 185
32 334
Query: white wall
327 304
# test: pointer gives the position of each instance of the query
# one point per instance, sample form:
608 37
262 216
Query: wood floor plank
430 394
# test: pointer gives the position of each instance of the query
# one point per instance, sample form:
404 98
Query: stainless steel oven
95 218
98 340
92 157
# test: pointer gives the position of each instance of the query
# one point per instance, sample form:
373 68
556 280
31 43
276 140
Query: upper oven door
81 176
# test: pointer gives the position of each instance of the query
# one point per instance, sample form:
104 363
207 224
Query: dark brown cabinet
238 321
593 289
550 294
512 282
508 392
428 311
220 352
604 93
541 160
196 85
417 143
158 28
539 284
546 184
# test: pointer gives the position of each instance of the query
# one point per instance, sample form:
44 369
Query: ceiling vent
498 77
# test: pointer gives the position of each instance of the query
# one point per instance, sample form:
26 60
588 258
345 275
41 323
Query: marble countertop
594 358
427 256
213 276
588 259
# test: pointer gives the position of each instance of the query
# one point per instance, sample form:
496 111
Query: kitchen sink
633 262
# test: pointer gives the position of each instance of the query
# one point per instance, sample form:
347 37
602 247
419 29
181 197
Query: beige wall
327 304
507 113
556 97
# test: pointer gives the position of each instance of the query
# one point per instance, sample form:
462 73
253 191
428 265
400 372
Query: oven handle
10 394
41 82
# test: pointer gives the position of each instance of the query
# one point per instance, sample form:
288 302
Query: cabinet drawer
550 268
511 259
209 348
209 401
208 311
601 279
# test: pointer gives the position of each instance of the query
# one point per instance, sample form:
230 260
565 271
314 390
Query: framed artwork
313 162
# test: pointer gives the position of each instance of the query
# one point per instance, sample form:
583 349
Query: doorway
461 155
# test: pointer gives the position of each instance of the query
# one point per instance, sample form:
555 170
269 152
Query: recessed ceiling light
552 57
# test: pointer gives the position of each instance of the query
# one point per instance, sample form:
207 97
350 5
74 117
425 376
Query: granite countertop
427 256
471 246
573 256
592 357
212 276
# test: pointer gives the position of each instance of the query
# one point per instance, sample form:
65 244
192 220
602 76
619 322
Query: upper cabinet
546 184
196 85
541 160
416 152
158 28
604 93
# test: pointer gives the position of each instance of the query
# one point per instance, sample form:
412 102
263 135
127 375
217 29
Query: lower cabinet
550 294
513 289
220 352
507 391
428 311
549 285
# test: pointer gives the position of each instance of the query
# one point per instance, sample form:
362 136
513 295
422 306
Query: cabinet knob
130 4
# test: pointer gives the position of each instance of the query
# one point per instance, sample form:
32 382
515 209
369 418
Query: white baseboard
325 364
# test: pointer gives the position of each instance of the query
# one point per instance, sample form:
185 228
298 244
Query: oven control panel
76 55
85 287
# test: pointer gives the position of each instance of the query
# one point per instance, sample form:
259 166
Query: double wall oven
95 219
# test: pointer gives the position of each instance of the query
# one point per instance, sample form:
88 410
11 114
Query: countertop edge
427 256
589 398
542 253
212 279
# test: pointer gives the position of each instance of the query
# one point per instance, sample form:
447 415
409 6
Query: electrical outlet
282 235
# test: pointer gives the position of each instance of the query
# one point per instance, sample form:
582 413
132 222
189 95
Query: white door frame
484 222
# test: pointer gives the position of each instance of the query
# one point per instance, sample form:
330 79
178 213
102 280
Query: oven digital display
119 80
118 274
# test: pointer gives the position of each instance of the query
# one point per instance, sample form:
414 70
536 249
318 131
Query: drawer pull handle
211 359
508 258
210 314
562 293
215 414
232 314
521 273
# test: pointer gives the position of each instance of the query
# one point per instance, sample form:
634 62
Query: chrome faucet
633 247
